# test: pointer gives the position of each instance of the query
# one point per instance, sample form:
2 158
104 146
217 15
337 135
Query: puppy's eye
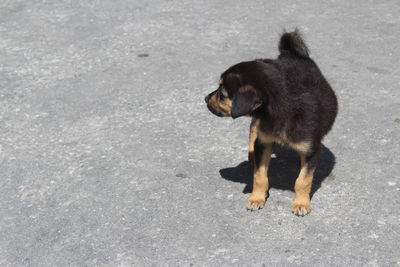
220 95
222 92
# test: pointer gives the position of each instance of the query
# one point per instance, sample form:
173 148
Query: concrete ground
109 156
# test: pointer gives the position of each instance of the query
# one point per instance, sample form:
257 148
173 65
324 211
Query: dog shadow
283 170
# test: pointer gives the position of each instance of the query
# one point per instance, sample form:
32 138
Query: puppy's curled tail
293 43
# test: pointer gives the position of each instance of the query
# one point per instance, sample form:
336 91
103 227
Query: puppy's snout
206 98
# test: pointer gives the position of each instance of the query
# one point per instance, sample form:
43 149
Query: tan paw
301 209
255 202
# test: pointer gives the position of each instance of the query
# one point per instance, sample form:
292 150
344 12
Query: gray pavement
109 157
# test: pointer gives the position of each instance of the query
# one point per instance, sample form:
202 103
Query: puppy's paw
301 208
255 202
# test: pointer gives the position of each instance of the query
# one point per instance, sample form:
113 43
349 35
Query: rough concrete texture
108 155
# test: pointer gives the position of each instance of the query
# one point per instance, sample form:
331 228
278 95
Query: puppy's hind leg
252 138
301 204
262 155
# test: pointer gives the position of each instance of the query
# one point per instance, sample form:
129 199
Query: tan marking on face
224 92
221 106
225 105
221 80
247 88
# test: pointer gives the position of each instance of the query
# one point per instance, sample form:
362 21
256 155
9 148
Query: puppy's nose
206 98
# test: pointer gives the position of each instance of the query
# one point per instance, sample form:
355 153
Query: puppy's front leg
252 138
262 155
301 204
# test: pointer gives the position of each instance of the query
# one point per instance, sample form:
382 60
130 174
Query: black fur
293 43
290 102
296 99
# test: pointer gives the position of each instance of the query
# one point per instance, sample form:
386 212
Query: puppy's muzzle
210 107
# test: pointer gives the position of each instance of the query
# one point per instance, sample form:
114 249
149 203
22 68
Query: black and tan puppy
290 103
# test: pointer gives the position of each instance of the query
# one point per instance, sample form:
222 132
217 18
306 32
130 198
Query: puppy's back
305 83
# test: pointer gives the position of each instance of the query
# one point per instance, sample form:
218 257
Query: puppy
290 103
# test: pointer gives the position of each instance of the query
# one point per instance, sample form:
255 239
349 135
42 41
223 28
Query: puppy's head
235 96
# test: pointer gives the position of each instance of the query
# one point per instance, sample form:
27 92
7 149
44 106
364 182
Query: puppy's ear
245 101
